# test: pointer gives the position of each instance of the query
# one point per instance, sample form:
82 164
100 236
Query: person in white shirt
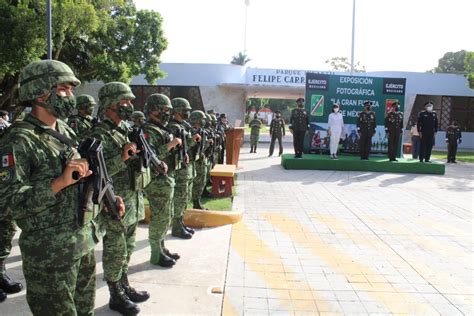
335 130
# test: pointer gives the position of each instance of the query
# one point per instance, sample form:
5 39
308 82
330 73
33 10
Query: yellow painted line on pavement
425 242
441 279
445 228
229 309
293 293
380 290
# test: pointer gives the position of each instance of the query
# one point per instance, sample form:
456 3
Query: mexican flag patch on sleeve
8 160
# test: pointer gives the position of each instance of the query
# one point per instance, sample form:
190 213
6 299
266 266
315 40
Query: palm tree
240 59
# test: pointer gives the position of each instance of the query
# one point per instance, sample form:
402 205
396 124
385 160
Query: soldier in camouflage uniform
123 166
184 175
277 131
38 159
255 126
198 121
223 126
453 138
394 129
138 118
366 128
7 231
83 121
160 191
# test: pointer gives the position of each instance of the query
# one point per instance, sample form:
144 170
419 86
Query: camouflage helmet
157 101
213 118
39 77
138 115
85 101
180 104
112 93
197 117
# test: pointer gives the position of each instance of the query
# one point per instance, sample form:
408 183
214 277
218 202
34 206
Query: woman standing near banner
335 129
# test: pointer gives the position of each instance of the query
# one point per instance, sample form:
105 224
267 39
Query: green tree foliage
452 62
343 64
107 40
240 59
469 64
257 103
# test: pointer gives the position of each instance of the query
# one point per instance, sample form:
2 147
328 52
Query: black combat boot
134 295
172 255
6 284
166 261
251 149
197 204
179 231
206 193
187 228
3 296
120 302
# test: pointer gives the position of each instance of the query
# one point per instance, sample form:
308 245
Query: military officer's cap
300 100
157 101
367 102
39 77
210 112
429 103
396 103
222 116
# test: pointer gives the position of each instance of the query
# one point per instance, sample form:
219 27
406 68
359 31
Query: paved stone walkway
350 243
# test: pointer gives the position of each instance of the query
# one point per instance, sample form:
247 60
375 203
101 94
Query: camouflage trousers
254 139
119 243
68 289
200 180
182 189
160 193
7 231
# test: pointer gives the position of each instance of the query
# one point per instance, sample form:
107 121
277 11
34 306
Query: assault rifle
102 184
146 153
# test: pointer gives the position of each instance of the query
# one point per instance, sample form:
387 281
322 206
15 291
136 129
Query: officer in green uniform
138 118
394 129
83 121
160 191
255 126
299 123
277 131
198 121
38 159
366 128
129 180
453 138
184 175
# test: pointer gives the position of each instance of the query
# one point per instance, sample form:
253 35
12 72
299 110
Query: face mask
429 109
278 116
164 117
60 107
335 110
124 112
89 110
368 108
396 109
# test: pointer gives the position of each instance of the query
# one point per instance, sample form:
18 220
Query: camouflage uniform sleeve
21 192
112 153
157 142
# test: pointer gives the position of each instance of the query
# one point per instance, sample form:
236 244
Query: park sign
350 92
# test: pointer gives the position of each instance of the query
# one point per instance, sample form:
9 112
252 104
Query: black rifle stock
147 153
102 185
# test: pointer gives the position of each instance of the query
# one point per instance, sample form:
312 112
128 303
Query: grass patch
464 156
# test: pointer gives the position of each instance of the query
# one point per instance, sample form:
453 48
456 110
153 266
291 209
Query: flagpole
353 34
48 29
247 2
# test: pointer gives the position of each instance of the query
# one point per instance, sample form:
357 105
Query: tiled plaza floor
350 243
